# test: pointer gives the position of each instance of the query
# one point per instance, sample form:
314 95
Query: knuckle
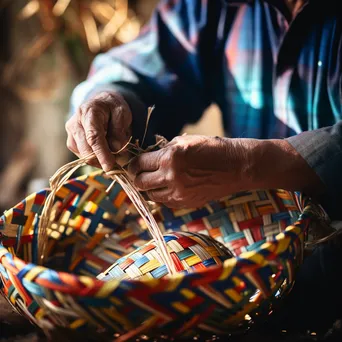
92 137
69 145
140 182
170 176
84 108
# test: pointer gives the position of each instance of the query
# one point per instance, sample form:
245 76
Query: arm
161 67
193 170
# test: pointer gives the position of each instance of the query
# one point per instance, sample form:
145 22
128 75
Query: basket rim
293 232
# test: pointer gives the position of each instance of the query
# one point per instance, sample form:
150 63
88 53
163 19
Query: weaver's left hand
191 170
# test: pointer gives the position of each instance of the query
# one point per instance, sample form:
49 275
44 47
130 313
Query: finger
175 205
146 162
150 180
95 135
82 146
72 146
119 126
160 195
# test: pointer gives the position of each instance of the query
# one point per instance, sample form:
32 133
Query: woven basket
92 231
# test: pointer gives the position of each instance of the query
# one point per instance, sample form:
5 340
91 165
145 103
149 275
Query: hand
101 125
191 170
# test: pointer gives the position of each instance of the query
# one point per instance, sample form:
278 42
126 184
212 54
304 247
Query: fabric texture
270 77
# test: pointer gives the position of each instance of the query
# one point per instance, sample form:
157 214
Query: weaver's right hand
101 125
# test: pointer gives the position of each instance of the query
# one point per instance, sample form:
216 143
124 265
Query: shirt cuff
322 150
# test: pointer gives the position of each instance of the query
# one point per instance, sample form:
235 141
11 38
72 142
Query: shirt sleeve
322 149
162 67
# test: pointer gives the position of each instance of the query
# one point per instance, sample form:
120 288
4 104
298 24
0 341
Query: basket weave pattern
92 230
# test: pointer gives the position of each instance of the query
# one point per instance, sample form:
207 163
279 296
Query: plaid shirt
271 79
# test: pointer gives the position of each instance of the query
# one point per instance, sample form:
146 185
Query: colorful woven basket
265 230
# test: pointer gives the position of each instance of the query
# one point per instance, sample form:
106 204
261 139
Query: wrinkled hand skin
191 170
101 125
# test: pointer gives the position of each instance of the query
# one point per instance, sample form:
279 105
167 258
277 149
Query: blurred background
46 47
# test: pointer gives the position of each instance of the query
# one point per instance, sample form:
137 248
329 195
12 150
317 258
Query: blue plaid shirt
271 78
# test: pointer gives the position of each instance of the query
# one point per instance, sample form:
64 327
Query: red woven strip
257 221
158 217
283 225
18 285
256 233
91 291
128 262
21 206
205 278
199 267
241 286
10 242
146 249
128 241
146 292
94 195
178 265
39 199
239 243
89 256
186 242
69 279
237 251
194 302
196 226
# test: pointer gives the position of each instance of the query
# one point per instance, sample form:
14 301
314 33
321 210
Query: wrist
238 161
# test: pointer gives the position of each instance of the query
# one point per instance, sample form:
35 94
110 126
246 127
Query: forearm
276 164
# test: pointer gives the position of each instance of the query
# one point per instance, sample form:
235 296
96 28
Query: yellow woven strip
255 257
187 293
116 301
181 307
233 294
9 215
87 281
282 245
227 270
63 192
40 314
29 203
78 323
28 224
107 288
149 266
33 273
174 283
193 260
